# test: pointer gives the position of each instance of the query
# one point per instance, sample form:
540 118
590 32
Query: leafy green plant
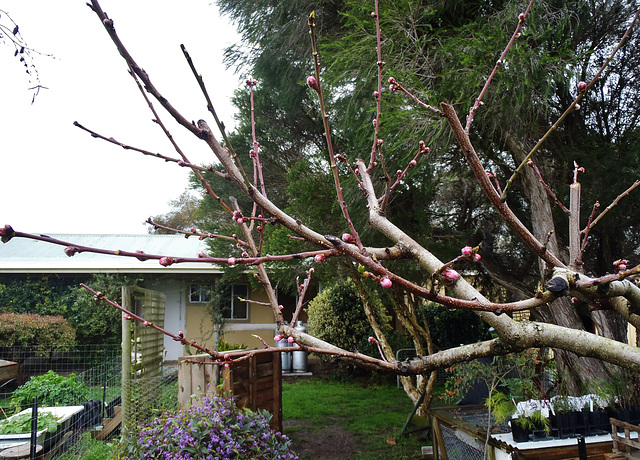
51 389
502 407
21 423
562 405
535 421
226 346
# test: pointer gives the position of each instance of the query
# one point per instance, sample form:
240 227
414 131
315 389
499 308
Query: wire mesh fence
97 366
458 444
97 371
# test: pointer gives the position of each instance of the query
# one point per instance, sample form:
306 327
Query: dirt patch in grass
331 442
326 443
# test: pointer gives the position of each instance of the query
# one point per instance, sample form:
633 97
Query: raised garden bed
66 415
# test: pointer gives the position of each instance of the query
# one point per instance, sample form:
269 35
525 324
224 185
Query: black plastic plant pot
519 433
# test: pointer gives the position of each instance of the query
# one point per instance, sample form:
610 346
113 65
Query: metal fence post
34 428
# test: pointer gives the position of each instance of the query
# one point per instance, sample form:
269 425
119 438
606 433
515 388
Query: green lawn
330 419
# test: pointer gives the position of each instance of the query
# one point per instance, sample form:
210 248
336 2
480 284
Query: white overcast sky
54 177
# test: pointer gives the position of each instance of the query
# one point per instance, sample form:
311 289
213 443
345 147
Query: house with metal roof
188 286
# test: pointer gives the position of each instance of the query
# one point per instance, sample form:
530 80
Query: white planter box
66 412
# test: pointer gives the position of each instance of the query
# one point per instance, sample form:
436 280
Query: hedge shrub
336 315
31 330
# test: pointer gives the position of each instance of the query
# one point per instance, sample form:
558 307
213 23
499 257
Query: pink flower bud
320 258
313 83
386 282
166 261
467 251
477 257
376 94
348 238
399 172
374 15
372 340
291 340
449 275
240 220
201 255
70 251
226 365
530 163
622 267
127 316
521 17
227 356
280 307
278 337
6 233
413 163
582 87
231 260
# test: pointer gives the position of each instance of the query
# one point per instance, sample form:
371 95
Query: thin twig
302 291
516 34
378 93
583 88
327 132
608 208
547 188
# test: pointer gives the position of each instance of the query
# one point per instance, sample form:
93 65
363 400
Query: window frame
205 296
234 299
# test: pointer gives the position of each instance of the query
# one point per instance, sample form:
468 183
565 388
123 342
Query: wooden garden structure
255 382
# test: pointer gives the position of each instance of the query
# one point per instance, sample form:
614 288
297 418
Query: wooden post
126 361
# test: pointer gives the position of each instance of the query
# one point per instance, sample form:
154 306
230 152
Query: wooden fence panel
255 382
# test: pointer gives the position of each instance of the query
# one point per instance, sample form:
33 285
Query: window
232 306
200 293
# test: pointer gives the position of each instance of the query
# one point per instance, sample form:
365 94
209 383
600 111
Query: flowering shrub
215 430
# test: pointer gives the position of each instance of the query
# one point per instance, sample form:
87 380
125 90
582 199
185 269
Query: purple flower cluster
216 429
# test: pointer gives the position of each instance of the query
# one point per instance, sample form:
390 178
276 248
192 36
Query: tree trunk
576 373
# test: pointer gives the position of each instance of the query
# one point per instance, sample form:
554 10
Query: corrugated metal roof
21 255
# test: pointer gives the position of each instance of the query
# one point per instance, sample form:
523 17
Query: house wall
199 326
